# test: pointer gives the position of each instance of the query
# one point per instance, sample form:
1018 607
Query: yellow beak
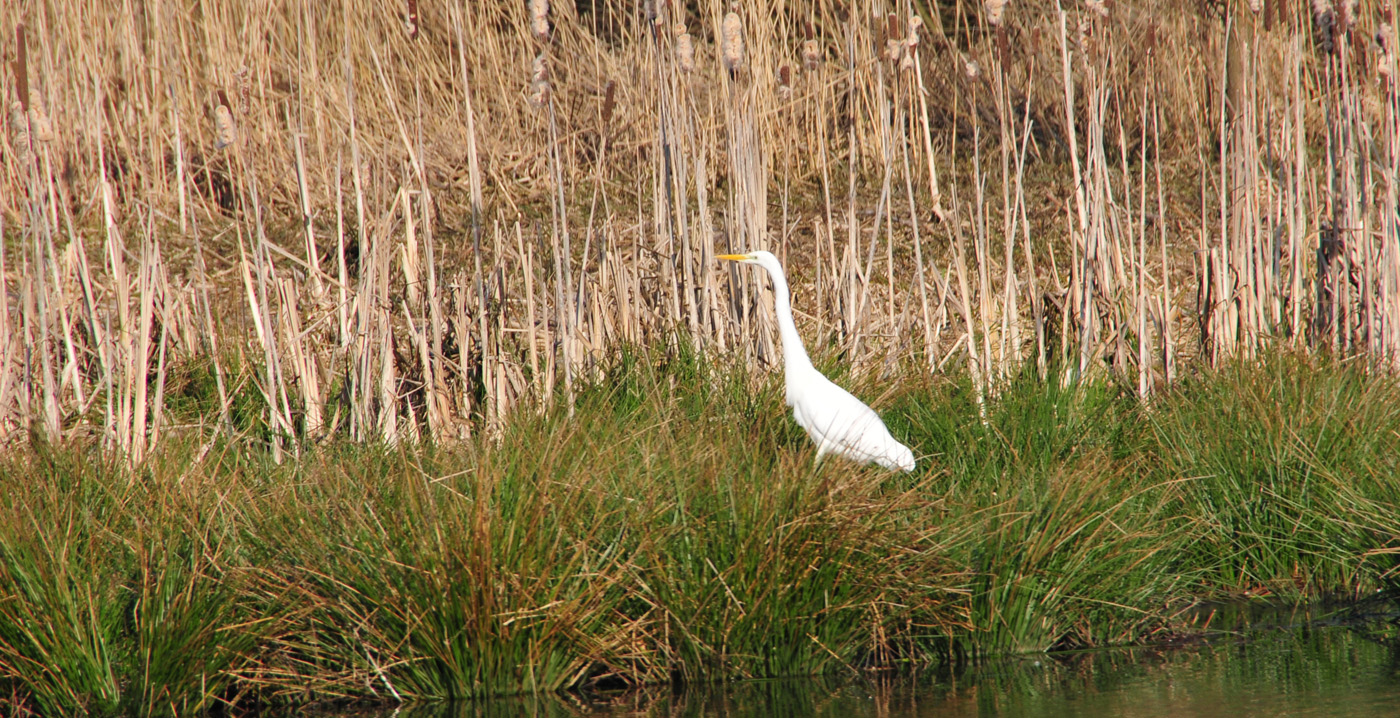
732 257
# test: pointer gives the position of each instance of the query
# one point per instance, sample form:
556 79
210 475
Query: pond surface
1292 667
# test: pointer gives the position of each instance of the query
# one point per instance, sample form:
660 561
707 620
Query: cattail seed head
539 68
1324 23
894 44
685 50
539 94
1256 6
224 133
609 101
19 123
539 19
916 24
994 10
410 23
811 54
906 63
733 46
245 84
971 68
784 82
1098 7
894 49
1346 17
539 81
40 128
1385 43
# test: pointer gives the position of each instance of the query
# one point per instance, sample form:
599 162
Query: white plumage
836 421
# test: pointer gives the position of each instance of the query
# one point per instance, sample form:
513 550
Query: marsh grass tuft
119 598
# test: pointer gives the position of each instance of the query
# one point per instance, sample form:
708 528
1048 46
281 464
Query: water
1317 668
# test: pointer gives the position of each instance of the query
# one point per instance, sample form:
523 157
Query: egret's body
836 421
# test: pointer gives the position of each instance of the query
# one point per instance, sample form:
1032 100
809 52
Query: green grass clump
115 597
1053 511
1286 469
676 527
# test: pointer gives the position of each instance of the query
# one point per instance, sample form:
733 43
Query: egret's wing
836 419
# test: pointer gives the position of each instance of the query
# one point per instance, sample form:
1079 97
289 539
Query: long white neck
795 360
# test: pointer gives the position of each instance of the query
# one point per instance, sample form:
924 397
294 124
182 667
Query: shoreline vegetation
675 528
378 351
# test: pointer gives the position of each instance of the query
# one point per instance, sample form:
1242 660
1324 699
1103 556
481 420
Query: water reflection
1305 671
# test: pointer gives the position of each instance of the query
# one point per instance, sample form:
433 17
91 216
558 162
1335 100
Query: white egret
836 421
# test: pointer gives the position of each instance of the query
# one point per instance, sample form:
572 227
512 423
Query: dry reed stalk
1165 303
1389 290
1095 286
37 321
974 361
473 161
980 242
1144 353
847 281
147 279
749 172
118 420
815 107
491 407
342 306
255 273
11 419
356 323
930 348
302 358
49 304
707 256
420 295
563 255
561 345
439 407
527 269
669 217
313 254
885 137
1009 350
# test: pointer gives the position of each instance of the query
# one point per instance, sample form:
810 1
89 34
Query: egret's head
758 257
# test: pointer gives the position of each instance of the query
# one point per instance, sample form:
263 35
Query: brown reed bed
417 220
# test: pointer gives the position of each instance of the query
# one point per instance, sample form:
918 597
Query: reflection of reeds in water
1105 189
